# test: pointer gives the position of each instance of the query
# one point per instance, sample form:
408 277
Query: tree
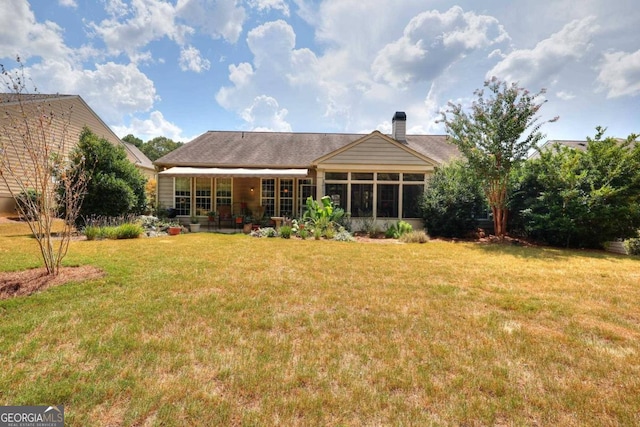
116 187
491 138
34 164
452 201
133 140
576 198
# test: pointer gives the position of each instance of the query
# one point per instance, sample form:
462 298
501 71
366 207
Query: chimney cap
400 115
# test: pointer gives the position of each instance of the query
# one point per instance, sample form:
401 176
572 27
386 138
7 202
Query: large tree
575 198
154 148
116 187
495 136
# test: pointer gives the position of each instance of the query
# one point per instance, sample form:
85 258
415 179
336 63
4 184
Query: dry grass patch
206 329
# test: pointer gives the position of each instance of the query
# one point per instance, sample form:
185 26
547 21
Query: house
372 176
79 115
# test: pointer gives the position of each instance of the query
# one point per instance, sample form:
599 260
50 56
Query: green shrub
285 232
395 231
452 201
303 233
92 232
414 237
129 231
28 204
265 232
633 246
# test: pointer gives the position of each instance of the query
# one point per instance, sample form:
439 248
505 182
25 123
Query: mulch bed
27 282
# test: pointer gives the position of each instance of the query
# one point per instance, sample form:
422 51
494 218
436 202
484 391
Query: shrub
452 201
344 236
265 232
129 231
633 246
303 233
414 237
92 232
395 231
28 204
285 232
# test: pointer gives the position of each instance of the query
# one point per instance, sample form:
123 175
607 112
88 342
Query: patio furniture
224 216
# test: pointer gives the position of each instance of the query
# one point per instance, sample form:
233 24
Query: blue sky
178 68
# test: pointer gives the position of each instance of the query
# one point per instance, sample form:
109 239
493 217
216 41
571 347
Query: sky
178 68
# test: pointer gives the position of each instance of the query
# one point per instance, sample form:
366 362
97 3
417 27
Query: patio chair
224 216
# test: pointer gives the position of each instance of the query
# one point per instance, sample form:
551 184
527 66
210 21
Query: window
411 194
203 196
268 197
362 176
183 196
223 192
413 177
388 177
286 197
388 201
338 194
305 189
361 200
336 176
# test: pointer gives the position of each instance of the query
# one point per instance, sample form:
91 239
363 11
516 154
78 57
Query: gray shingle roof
283 149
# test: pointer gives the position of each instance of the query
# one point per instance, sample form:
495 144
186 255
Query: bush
397 230
303 233
576 198
92 232
452 202
633 246
414 237
28 205
265 232
285 232
344 236
129 231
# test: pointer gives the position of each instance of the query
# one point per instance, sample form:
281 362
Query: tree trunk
497 195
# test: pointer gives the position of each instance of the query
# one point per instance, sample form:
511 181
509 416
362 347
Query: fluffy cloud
112 90
217 18
432 41
265 5
264 114
68 3
130 29
21 34
146 129
620 74
190 60
543 63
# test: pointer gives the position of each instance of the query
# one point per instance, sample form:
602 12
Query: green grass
206 329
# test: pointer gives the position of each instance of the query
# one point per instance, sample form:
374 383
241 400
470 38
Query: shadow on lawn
519 249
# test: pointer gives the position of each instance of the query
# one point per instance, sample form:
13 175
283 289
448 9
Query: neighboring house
80 115
371 176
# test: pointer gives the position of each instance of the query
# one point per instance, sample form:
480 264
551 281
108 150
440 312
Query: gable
376 149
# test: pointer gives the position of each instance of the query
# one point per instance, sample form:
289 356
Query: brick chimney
399 126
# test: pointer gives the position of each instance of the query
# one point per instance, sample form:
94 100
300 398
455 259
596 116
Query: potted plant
174 228
194 224
248 224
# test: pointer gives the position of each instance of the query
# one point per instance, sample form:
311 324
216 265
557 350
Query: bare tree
34 165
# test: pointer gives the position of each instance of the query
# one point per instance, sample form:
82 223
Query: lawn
208 329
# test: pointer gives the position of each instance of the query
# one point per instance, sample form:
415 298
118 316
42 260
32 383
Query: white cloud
271 43
545 61
217 18
267 5
147 20
565 96
21 34
432 41
190 60
68 3
112 90
146 129
264 114
620 74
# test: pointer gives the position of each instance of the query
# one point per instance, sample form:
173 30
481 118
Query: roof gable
375 148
